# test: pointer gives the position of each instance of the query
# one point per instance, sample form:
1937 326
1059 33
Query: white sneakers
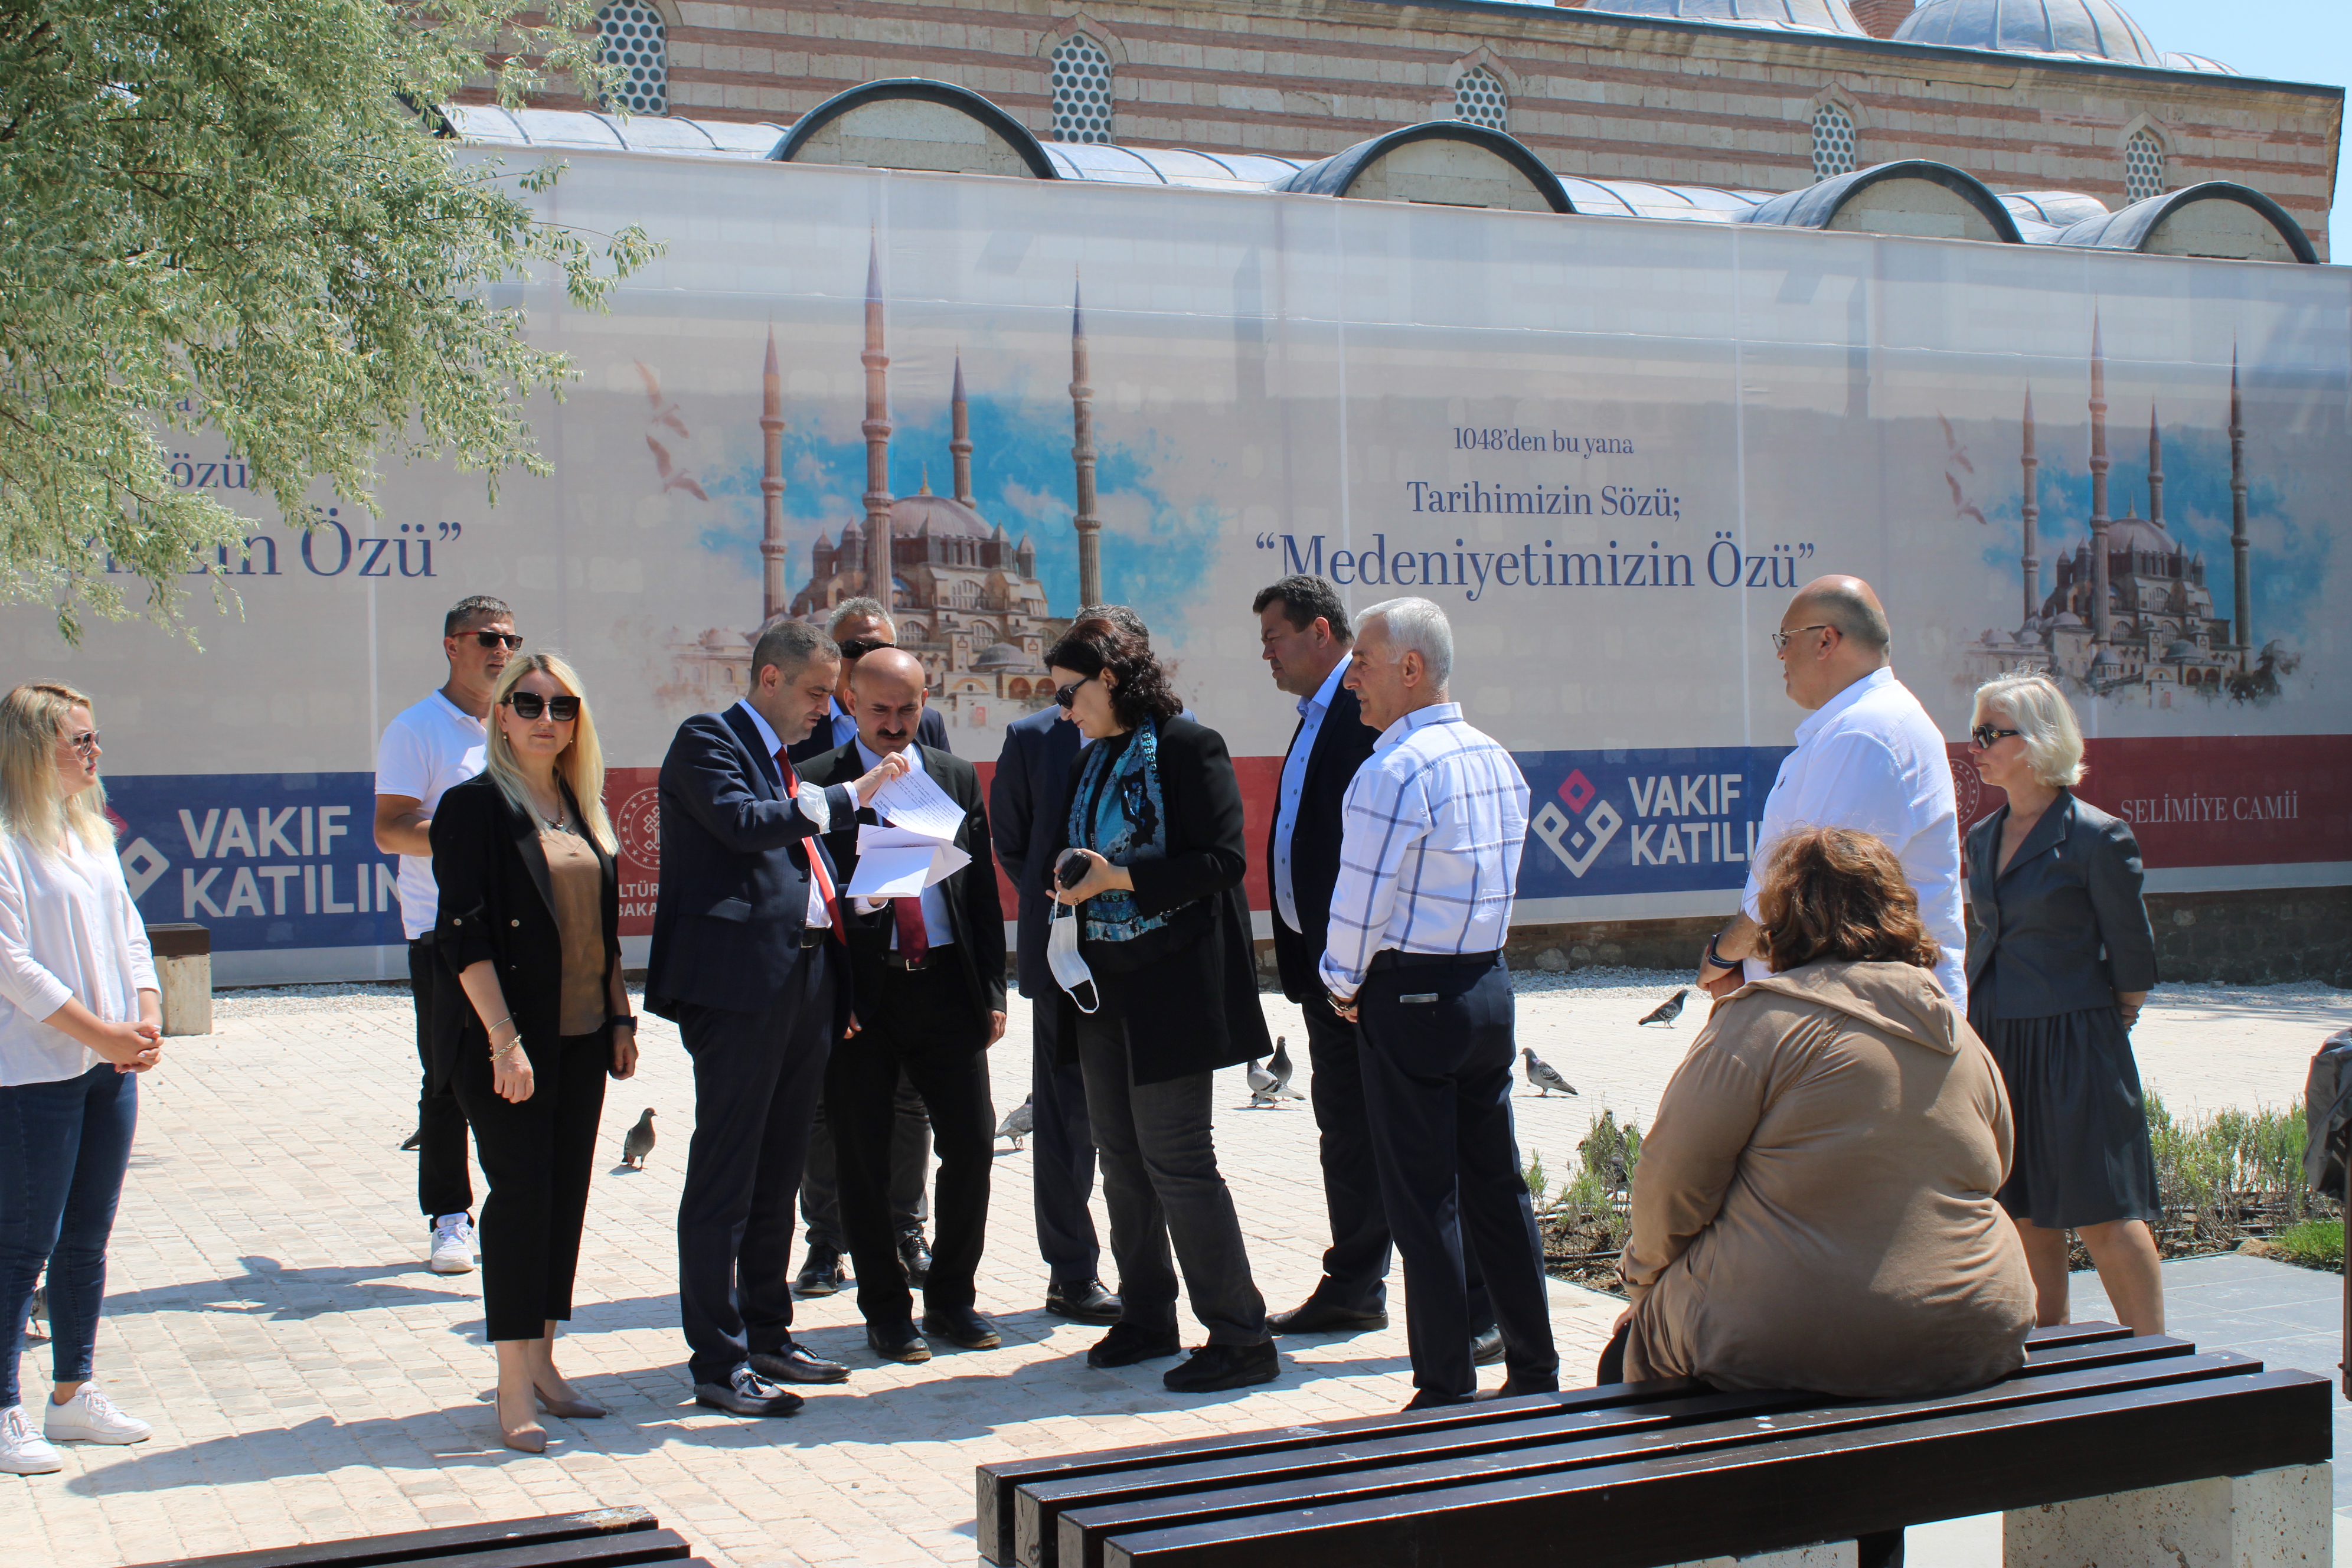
22 1451
91 1417
88 1417
453 1245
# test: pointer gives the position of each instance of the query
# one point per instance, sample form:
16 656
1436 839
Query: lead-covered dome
2097 30
1805 15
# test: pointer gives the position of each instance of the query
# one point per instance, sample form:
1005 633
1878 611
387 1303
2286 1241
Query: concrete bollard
183 965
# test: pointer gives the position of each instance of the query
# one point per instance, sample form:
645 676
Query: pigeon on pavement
1541 1077
1280 1066
639 1140
1261 1081
416 1141
1667 1011
40 1311
1019 1121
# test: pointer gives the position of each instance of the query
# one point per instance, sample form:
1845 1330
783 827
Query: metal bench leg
2276 1519
1822 1555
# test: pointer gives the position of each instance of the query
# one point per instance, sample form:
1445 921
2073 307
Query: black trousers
537 1156
910 1168
756 1080
1062 1144
922 1023
1356 1264
443 1185
1437 1055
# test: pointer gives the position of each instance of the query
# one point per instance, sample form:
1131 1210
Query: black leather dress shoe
1486 1349
897 1342
798 1363
1321 1318
1426 1399
1513 1389
821 1275
1126 1344
962 1327
915 1258
1214 1368
1082 1301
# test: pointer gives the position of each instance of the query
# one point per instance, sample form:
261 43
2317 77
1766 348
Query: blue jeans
63 1150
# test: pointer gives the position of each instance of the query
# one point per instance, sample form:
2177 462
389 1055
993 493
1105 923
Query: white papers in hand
913 802
894 863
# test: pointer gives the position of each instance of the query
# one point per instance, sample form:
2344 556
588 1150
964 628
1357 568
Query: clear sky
2292 40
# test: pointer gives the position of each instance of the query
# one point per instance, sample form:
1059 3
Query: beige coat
1814 1207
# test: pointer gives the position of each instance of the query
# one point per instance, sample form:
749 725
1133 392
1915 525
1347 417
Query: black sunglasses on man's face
512 640
856 648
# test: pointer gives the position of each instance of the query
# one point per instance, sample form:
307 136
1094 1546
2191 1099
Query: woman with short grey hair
2060 962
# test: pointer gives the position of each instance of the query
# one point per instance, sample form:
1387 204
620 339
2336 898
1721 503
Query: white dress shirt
1871 759
1435 823
936 929
810 799
69 931
426 749
1311 710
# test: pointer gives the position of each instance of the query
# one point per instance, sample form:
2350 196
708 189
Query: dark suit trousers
443 1185
1437 1086
756 1080
910 1167
920 1023
1062 1146
538 1157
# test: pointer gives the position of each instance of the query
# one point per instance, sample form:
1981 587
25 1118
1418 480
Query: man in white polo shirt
1869 759
431 746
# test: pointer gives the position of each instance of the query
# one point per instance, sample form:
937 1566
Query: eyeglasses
530 705
1065 695
86 743
1986 736
858 648
511 641
1780 639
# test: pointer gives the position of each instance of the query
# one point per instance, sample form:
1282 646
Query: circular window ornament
1832 143
632 35
1082 90
2143 167
1479 99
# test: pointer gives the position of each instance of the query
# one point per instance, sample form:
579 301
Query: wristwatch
1715 955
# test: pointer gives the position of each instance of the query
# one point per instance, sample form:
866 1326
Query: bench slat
606 1552
1082 1529
1776 1495
423 1545
2072 1334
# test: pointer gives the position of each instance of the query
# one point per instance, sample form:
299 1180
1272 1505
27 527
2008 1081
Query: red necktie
815 853
914 941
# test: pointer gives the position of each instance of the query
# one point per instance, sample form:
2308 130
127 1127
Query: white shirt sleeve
1851 780
402 763
139 956
24 979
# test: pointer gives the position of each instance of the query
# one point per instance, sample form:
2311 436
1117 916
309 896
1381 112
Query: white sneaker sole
450 1265
115 1438
12 1466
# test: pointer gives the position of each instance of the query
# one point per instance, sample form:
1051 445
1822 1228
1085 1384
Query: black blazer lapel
2056 823
747 735
534 858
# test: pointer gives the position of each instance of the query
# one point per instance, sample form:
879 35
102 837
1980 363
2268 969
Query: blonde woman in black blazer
530 924
2060 962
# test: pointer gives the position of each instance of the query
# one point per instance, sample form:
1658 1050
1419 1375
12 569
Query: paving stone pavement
267 1307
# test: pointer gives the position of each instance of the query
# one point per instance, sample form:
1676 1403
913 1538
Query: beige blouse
577 882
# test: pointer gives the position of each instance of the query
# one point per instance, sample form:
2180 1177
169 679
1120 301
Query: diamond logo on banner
1577 791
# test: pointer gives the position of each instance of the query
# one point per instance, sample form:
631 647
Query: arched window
1081 90
1832 143
2143 167
1479 98
632 37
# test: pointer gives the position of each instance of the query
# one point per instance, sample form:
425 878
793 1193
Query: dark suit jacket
1026 802
975 913
733 898
1194 1008
931 731
1340 747
2066 921
498 903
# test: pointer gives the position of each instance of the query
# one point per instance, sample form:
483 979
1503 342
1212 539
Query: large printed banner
1610 448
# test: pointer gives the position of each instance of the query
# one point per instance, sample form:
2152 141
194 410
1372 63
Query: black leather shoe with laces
1082 1301
821 1275
962 1327
1126 1344
1214 1367
897 1342
915 1258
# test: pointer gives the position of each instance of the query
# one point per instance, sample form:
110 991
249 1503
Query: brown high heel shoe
570 1409
529 1438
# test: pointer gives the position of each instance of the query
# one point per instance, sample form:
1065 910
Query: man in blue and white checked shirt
1435 820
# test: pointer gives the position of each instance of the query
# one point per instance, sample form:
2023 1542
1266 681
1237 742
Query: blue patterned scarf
1128 823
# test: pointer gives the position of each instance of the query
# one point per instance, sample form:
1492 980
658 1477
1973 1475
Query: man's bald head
1849 605
1832 635
887 691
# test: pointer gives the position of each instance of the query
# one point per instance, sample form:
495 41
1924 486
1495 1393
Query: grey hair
2043 720
1417 625
1129 623
789 645
857 609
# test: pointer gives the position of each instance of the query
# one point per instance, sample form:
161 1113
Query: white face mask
1070 971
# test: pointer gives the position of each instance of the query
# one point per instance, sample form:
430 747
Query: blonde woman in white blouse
80 1017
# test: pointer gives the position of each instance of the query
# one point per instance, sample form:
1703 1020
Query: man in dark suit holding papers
928 968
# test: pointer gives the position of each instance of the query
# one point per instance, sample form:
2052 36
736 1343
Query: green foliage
1595 1202
1535 1177
2218 1176
229 218
2315 1244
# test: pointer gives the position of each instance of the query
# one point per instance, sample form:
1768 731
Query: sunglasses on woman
1986 736
1065 695
530 705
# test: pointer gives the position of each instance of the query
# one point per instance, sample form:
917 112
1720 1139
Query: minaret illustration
1082 453
772 487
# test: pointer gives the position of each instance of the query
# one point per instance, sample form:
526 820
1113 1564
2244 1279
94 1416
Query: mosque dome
2135 533
2198 63
943 515
2180 651
1802 16
1007 657
2097 30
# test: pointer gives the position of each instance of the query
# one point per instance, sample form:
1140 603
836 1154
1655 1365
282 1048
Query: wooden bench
599 1538
2229 1460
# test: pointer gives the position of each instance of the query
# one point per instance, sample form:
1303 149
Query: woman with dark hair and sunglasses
1814 1206
2059 962
1149 857
529 924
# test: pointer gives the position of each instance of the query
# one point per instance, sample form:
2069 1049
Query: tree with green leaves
244 221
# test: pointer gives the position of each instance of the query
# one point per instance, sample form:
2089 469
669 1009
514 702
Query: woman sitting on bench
1814 1206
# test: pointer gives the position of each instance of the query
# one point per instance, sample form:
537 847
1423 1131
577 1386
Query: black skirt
2083 1155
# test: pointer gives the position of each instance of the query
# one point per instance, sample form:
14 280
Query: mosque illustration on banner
2129 616
966 598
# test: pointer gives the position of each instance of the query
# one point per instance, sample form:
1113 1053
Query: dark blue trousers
1437 1056
1063 1146
64 1148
